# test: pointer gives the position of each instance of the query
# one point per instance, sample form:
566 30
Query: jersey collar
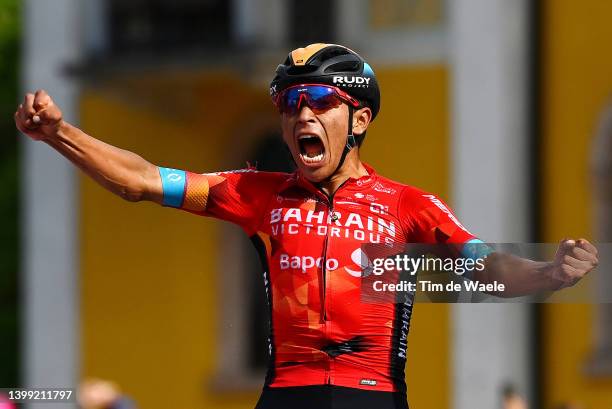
351 183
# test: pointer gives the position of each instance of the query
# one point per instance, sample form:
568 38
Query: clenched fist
38 117
573 260
97 394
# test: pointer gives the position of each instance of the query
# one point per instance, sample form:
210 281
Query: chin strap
351 142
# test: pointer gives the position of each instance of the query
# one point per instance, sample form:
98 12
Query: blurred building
488 103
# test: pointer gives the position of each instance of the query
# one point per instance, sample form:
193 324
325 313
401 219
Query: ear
361 120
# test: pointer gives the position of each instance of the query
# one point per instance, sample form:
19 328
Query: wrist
548 270
56 131
60 128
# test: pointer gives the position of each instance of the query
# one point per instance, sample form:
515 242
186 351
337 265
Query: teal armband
174 182
475 249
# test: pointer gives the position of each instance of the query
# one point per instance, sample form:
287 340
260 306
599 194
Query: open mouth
311 147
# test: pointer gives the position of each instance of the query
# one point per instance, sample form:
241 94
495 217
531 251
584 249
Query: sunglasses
319 98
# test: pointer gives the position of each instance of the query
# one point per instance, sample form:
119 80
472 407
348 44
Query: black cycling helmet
334 65
329 64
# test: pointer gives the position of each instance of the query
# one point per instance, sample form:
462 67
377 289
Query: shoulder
386 185
418 198
407 195
415 205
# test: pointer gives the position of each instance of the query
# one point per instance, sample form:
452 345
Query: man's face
316 140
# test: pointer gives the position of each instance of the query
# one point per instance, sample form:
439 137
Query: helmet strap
351 142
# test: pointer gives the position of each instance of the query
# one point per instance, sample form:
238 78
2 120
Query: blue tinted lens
316 96
317 92
291 99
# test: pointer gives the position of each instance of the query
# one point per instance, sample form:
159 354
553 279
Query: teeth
314 159
310 159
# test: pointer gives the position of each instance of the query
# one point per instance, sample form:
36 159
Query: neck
351 168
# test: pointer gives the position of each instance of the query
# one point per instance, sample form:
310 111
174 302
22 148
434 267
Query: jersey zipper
330 210
328 222
330 219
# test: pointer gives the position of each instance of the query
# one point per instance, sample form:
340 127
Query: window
312 21
167 26
395 31
386 14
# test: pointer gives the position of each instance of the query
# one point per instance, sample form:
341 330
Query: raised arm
573 260
122 172
431 221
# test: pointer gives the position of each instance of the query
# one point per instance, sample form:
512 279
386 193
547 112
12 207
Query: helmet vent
301 69
331 52
344 66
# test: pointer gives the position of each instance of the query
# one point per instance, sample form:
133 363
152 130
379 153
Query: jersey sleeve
427 219
238 196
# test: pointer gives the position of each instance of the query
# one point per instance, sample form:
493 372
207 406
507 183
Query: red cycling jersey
309 244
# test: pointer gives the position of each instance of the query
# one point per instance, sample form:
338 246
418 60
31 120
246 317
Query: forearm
119 171
520 276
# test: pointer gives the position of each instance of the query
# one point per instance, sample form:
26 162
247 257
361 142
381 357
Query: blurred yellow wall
577 81
150 275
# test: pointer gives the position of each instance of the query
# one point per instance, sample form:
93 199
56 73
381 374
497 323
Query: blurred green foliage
9 192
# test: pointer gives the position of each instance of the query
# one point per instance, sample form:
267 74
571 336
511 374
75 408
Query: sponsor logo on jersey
296 221
379 187
281 198
404 323
362 261
369 382
361 182
247 170
446 210
379 208
304 263
368 196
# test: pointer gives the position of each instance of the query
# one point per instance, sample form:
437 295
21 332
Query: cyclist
327 348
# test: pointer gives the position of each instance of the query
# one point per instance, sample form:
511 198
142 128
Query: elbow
130 188
506 290
142 186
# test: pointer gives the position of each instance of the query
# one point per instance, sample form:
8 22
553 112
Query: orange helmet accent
301 55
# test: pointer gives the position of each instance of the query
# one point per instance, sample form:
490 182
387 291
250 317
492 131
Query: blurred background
500 107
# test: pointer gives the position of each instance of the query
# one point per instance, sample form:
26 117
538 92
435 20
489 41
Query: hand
573 260
38 117
97 394
514 402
